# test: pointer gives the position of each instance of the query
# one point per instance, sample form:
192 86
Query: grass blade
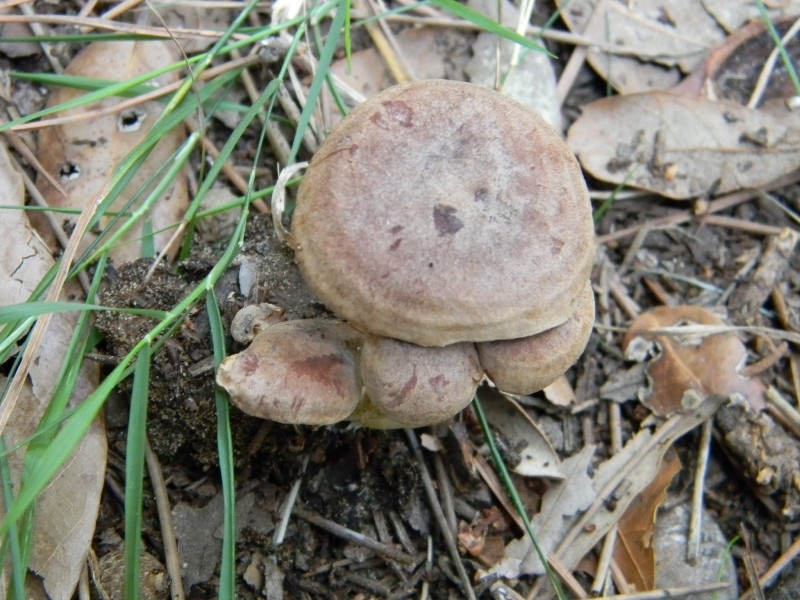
512 492
227 577
134 472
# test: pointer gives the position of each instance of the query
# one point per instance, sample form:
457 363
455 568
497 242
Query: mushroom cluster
451 229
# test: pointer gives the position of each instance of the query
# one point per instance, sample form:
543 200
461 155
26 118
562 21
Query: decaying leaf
685 364
561 505
640 46
732 14
579 511
522 437
66 511
634 550
428 53
187 16
83 155
683 147
24 258
729 71
648 44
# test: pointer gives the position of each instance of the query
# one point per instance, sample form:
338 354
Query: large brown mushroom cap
440 212
296 372
527 365
410 386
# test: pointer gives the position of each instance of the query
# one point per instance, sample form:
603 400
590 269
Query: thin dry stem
132 102
449 539
696 518
685 216
171 553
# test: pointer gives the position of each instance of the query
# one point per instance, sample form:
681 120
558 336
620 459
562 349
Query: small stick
696 519
718 205
741 224
171 555
353 536
675 592
789 412
449 539
765 363
446 491
779 565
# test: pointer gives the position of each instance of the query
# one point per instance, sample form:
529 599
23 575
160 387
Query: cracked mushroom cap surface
300 372
439 212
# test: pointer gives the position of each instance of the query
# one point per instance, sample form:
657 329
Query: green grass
61 429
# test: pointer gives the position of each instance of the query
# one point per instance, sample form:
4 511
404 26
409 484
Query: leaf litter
349 472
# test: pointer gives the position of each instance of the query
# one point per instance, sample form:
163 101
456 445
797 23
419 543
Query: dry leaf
560 392
679 365
561 505
522 436
648 44
428 53
684 147
634 550
186 16
732 14
640 46
730 70
66 511
83 155
24 258
578 512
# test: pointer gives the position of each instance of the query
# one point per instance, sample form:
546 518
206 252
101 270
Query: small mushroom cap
296 372
253 318
439 212
411 386
527 365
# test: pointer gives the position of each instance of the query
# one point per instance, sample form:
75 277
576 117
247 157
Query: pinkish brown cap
410 386
439 212
527 365
297 372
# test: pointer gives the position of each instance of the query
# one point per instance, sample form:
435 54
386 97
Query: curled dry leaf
83 155
683 147
634 550
66 511
679 365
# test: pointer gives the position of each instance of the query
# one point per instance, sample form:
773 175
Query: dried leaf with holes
83 155
66 510
689 363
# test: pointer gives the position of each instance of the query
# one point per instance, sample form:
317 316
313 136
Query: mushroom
529 364
253 318
297 372
410 386
440 212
